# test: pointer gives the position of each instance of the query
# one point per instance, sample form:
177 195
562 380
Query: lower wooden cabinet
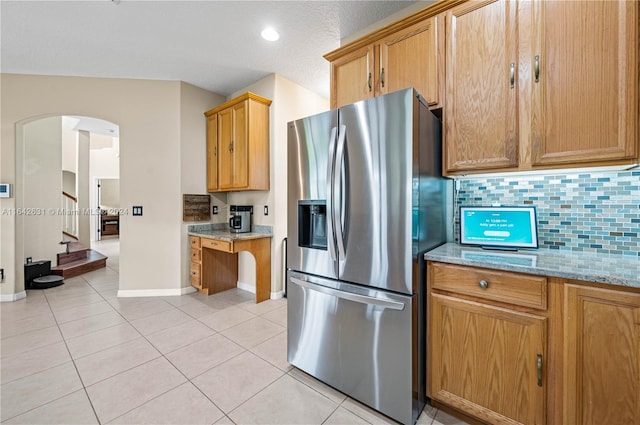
602 356
573 358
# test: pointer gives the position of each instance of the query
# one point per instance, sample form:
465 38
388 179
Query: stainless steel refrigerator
365 201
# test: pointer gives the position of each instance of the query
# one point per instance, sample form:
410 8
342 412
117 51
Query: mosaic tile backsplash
590 212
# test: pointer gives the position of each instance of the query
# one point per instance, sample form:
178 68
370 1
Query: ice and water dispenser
312 224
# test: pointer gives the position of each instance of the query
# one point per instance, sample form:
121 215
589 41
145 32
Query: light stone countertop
221 232
622 270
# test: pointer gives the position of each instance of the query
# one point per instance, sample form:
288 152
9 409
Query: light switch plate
136 210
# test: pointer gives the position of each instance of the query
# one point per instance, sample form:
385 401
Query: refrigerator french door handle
337 187
331 246
362 299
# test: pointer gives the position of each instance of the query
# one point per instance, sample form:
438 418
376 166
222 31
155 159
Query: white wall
148 114
110 193
290 102
104 163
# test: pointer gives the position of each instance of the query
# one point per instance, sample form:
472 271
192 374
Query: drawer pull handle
539 364
483 284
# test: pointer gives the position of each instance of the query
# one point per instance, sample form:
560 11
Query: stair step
93 261
74 251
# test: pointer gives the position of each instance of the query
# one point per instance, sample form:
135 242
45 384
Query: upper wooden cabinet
481 130
391 61
541 84
585 81
238 144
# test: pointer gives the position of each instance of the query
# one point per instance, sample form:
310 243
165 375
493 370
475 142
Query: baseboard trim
246 287
5 298
276 295
133 293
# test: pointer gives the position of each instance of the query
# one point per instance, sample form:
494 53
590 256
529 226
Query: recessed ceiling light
270 34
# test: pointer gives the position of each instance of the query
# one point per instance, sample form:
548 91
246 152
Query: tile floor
77 354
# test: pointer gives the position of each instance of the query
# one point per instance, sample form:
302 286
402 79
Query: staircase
78 260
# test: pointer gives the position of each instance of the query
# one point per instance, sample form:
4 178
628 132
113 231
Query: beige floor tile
176 337
9 328
69 291
202 355
366 413
342 416
225 421
327 391
18 311
107 285
443 418
274 350
107 363
91 324
136 311
286 401
182 405
277 316
59 304
101 340
73 409
235 296
252 332
224 319
30 341
119 394
235 381
80 312
160 321
197 309
33 361
263 307
428 414
35 390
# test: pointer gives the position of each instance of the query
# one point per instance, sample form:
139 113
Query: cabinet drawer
195 241
195 255
195 271
512 288
217 245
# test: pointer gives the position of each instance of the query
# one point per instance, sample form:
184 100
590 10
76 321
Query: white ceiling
215 45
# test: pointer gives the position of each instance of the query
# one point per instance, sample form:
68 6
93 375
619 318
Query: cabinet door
225 154
352 77
481 102
410 59
212 153
586 98
602 356
484 360
239 146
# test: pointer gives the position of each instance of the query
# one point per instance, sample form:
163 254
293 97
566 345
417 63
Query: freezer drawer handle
350 296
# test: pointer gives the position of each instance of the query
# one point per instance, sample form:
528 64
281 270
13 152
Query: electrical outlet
29 260
266 210
214 210
1 275
457 184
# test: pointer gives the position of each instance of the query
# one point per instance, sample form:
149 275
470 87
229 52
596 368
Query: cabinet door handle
539 365
215 150
231 147
512 75
483 284
382 77
369 81
536 67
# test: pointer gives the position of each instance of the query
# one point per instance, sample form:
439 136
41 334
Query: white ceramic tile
30 341
274 350
342 416
327 391
175 337
35 390
224 319
91 324
160 321
33 361
80 312
100 340
73 409
182 405
278 316
104 364
286 401
235 381
119 394
252 332
202 355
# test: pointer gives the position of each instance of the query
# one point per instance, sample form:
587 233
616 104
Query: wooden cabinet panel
212 153
217 244
410 58
352 77
225 155
496 285
481 130
194 241
585 102
484 360
602 356
239 149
